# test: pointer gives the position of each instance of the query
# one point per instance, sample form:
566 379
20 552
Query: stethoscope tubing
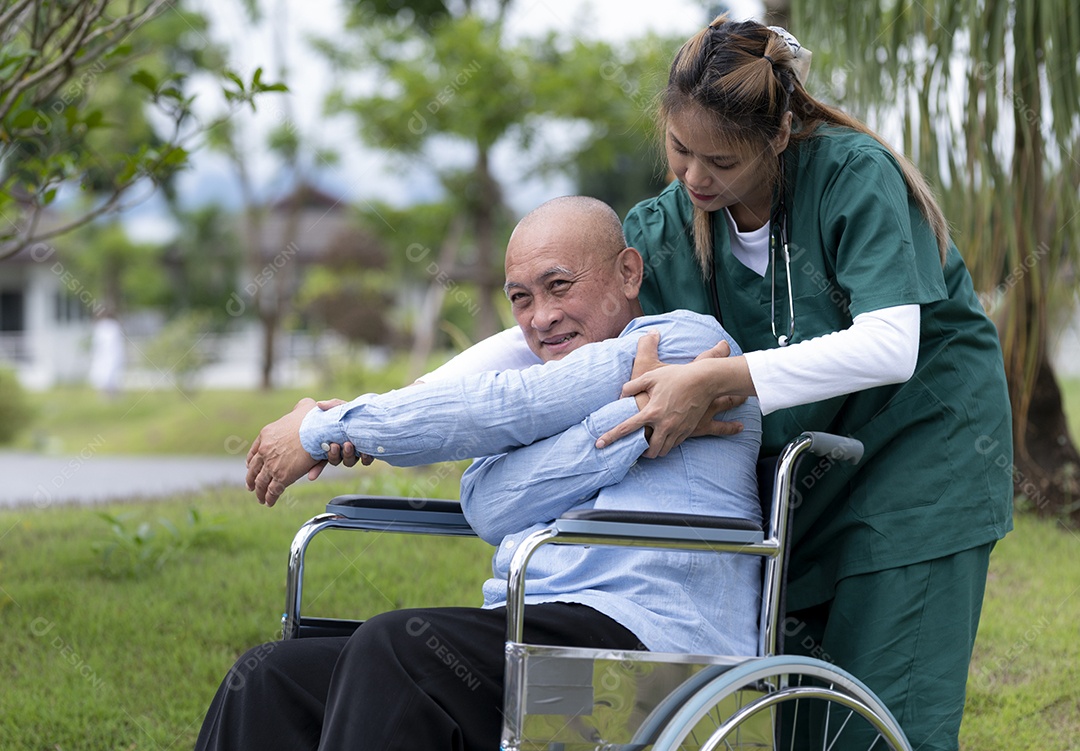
783 339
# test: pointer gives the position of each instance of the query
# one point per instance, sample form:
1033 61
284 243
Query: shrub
15 411
138 548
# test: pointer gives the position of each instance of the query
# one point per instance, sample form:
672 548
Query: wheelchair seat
573 699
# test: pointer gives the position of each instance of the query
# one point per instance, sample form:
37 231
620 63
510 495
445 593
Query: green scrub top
936 477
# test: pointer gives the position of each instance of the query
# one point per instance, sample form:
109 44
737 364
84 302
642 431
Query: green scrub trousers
907 633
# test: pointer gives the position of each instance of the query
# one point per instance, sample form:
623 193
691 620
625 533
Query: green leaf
235 79
146 79
120 50
128 172
94 119
171 92
25 119
175 157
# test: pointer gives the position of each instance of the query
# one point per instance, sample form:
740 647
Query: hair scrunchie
801 54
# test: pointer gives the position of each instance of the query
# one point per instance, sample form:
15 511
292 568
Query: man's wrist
314 434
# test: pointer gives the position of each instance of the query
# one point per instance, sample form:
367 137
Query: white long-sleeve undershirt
880 348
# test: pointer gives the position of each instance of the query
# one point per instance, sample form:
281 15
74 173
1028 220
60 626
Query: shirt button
509 544
380 449
325 446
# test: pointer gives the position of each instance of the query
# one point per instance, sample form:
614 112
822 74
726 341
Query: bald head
581 220
570 277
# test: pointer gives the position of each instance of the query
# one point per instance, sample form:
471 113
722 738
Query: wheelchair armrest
429 511
659 525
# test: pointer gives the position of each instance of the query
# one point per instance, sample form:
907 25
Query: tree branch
111 203
23 82
7 16
73 43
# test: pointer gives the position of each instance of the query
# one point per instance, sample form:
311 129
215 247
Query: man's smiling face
566 291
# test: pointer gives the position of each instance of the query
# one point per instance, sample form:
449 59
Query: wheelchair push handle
838 447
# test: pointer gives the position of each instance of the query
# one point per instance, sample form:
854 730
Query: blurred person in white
106 354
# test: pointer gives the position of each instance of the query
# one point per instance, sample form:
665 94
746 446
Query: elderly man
573 286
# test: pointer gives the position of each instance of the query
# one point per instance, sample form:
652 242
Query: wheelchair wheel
782 703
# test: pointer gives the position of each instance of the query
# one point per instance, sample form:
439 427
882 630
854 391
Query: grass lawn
96 660
1024 683
66 420
130 658
127 656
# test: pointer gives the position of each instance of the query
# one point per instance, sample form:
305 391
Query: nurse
824 254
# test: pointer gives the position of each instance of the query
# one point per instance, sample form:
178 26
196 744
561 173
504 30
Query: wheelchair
572 699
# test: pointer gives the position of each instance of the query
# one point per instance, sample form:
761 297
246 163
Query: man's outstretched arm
490 413
482 415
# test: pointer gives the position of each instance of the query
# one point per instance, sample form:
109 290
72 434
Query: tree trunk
268 319
486 278
1047 472
284 285
428 320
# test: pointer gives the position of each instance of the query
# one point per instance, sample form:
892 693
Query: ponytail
810 113
747 77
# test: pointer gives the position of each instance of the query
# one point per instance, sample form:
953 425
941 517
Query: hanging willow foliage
984 95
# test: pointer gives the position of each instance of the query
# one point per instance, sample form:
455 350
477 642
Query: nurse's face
717 172
565 293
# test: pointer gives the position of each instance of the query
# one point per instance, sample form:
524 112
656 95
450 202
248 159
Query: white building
45 319
47 314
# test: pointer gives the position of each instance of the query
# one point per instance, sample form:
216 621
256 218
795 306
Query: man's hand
646 360
277 459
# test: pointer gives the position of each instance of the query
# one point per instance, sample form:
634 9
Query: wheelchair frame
771 680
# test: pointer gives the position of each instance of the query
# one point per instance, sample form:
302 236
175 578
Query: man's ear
631 268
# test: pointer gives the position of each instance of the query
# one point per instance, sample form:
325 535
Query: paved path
28 479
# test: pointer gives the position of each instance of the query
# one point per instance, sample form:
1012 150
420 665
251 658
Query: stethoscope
778 240
783 339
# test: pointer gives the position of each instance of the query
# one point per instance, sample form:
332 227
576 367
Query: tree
453 85
59 67
120 273
203 264
988 94
458 85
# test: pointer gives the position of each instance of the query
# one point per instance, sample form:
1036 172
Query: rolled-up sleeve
490 413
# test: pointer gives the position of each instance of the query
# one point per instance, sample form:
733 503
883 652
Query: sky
361 173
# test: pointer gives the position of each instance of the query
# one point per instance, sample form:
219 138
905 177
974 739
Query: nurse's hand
680 401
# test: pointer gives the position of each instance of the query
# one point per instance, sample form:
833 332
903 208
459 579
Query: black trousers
407 679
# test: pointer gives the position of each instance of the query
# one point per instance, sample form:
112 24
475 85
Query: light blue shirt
537 428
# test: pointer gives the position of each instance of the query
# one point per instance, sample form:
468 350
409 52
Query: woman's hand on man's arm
677 402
